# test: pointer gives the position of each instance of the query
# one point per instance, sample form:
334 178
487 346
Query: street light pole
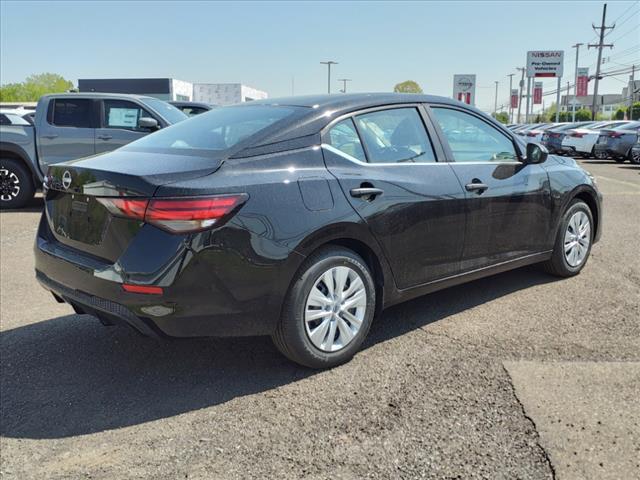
523 69
344 84
495 101
575 82
328 64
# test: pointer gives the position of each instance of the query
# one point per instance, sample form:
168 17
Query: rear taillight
177 215
554 135
532 134
576 134
615 134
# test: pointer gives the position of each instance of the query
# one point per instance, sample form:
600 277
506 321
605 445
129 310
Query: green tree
408 86
634 111
34 87
502 117
619 115
583 115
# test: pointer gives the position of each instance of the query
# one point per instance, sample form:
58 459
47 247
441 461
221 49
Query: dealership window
395 136
72 112
123 114
344 137
472 139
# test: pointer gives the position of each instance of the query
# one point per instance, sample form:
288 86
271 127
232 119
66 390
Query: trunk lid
78 219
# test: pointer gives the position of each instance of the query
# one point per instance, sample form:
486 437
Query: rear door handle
476 187
366 192
51 136
105 137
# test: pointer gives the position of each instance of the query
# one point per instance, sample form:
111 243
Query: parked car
70 126
15 116
552 138
192 108
303 217
581 141
535 134
617 142
635 153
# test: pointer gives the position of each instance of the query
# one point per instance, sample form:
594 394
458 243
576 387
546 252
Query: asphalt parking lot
520 375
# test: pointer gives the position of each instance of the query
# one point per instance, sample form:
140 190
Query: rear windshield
216 130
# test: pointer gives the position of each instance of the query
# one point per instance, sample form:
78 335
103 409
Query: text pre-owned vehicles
617 142
192 109
300 218
70 126
581 141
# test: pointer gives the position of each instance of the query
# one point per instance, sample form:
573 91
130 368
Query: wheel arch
15 152
590 198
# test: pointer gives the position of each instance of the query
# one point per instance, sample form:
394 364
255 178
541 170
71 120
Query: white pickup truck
70 126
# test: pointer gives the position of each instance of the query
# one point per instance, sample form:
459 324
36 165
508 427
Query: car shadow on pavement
70 376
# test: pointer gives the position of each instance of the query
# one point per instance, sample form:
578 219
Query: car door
388 168
120 124
68 131
508 201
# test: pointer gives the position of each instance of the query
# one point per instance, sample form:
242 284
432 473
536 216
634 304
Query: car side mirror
148 122
536 153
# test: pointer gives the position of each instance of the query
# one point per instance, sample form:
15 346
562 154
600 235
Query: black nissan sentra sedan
302 218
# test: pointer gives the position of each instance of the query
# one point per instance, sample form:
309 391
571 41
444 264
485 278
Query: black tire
291 337
16 184
619 159
636 160
600 155
558 264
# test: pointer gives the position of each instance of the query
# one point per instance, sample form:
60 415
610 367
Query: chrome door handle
365 192
51 136
476 187
105 137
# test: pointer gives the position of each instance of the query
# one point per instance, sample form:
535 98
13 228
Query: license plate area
77 217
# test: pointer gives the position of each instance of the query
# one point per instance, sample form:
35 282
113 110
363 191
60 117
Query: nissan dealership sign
545 63
464 88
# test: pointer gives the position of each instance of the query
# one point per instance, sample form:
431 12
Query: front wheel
328 309
16 184
573 241
634 156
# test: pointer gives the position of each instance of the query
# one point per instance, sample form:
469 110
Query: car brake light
615 134
177 215
531 134
576 135
145 289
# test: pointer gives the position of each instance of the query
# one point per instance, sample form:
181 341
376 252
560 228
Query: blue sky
266 44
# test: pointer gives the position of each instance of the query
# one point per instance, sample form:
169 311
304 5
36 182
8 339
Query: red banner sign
537 93
465 97
514 98
582 85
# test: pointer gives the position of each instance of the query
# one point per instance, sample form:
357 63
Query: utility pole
523 69
603 28
328 64
575 82
526 114
495 101
344 84
632 92
510 89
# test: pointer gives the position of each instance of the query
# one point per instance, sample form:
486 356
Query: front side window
216 130
473 140
395 136
72 112
167 111
123 114
344 137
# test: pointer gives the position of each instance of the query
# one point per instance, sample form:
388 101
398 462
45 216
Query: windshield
626 125
167 111
216 130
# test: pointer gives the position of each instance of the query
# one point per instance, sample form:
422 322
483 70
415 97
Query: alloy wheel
635 156
9 185
335 308
577 239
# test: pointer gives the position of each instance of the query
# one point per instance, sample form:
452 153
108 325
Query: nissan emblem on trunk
66 179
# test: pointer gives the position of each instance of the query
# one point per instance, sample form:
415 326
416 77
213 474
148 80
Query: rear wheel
599 154
619 159
573 241
16 184
634 156
328 310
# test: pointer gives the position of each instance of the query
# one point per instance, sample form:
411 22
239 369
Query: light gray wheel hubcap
577 239
335 309
9 185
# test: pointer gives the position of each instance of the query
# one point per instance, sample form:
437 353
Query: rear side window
216 130
123 114
473 140
395 136
344 137
73 112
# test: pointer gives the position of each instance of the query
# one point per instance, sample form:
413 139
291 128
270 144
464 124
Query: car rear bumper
211 291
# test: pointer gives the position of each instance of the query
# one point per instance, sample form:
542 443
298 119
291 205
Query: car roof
353 101
179 103
97 95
